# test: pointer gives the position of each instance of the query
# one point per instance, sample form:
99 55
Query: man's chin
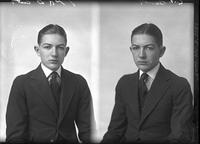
53 67
143 68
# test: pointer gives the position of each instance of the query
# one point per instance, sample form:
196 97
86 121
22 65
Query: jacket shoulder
23 77
21 81
127 78
177 80
74 76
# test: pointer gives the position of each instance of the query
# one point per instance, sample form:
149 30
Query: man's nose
142 53
54 51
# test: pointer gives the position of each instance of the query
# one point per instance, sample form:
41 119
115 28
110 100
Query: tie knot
144 76
53 75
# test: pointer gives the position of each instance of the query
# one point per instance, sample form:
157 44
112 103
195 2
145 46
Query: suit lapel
134 94
67 84
40 83
157 91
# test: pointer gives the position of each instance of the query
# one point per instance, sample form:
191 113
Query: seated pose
152 105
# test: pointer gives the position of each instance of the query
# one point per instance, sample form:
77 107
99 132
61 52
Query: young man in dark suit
153 105
45 104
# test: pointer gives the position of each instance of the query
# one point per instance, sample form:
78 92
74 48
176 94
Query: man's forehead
53 38
143 39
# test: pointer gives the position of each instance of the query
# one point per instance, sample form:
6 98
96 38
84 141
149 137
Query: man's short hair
150 29
52 29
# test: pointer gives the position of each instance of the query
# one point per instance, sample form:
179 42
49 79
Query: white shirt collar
47 71
152 73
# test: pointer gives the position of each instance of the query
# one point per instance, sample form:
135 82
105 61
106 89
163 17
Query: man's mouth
142 62
53 61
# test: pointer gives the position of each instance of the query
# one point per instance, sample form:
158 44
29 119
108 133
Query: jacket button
52 140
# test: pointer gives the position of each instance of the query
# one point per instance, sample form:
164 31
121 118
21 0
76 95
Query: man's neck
48 71
152 73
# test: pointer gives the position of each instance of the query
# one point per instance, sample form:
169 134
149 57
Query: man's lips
142 62
53 61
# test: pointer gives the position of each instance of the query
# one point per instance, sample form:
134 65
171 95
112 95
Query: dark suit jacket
32 111
166 114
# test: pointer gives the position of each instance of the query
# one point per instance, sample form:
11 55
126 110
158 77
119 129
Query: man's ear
36 48
162 51
67 50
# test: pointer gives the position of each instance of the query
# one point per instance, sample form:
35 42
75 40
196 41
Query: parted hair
52 29
150 29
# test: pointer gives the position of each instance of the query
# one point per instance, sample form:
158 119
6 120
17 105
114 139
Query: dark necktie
142 89
54 83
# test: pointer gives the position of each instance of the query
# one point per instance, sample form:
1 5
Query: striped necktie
142 89
54 82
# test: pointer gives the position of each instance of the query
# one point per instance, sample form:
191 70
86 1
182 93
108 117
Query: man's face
146 52
52 51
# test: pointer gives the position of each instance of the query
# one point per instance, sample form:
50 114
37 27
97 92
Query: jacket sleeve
16 114
85 115
118 123
181 119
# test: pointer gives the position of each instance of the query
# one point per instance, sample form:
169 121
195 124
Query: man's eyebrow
150 45
46 44
61 45
144 45
51 44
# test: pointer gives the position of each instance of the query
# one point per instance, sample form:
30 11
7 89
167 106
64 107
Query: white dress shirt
47 71
151 75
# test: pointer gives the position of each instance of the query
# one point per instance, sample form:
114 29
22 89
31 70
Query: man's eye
135 47
47 47
150 48
61 47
